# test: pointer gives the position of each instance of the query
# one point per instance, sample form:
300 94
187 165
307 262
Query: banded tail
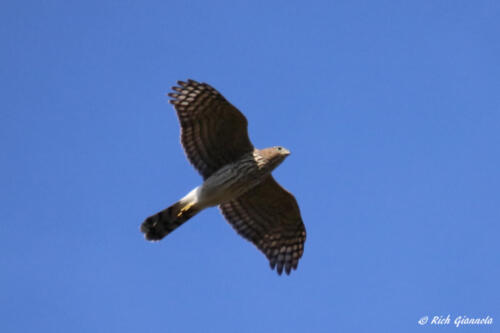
161 224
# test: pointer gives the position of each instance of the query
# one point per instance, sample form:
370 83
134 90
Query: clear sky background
391 110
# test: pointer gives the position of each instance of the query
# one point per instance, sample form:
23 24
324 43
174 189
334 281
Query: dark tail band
161 224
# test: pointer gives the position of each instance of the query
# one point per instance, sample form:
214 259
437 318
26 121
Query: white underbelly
219 189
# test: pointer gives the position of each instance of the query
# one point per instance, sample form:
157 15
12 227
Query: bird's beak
286 152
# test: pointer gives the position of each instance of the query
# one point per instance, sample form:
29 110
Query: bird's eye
279 148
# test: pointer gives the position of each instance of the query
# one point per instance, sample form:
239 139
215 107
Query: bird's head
282 151
274 155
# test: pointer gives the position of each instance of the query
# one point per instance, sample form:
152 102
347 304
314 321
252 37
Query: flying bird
236 177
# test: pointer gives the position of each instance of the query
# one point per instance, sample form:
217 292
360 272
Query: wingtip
279 268
187 82
287 267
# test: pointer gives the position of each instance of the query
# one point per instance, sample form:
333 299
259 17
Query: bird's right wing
269 217
213 132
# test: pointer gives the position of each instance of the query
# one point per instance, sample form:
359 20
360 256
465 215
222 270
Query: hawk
237 178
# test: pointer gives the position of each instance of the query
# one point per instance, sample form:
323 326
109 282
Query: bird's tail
161 224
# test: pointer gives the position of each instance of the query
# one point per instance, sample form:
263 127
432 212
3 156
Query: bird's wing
213 132
269 217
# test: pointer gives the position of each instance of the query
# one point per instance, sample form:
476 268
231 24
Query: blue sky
391 110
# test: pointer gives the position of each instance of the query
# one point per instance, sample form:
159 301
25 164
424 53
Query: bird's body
237 178
234 179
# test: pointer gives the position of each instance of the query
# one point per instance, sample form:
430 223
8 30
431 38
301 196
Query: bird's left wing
213 132
269 217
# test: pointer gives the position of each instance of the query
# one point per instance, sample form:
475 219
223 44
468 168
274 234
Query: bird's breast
231 181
